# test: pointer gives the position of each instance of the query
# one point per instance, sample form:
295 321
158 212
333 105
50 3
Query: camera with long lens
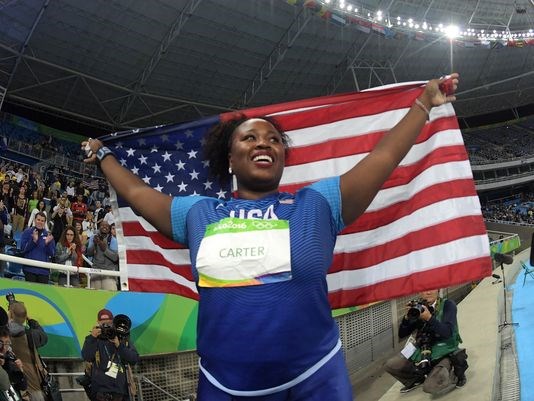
119 328
107 331
416 307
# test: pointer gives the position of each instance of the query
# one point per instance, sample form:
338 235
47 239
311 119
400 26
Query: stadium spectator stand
508 142
47 166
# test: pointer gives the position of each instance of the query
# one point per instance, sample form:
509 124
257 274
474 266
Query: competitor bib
240 252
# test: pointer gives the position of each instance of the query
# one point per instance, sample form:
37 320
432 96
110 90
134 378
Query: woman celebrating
69 251
260 260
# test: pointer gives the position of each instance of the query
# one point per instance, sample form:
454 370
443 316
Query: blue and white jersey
255 337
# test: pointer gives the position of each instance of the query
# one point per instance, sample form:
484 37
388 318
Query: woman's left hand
433 95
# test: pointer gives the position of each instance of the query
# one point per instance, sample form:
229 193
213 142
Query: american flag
423 230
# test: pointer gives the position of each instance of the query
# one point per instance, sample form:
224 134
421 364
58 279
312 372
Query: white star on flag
157 168
170 177
194 175
193 154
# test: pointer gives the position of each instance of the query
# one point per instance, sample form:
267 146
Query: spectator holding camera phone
431 354
27 336
59 221
63 204
109 352
37 243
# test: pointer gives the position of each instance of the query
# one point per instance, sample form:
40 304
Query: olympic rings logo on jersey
263 225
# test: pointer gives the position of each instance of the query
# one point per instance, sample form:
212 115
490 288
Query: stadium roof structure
136 63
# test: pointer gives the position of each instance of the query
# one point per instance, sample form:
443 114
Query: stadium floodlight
452 31
379 15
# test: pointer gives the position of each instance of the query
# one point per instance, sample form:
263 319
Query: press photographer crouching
431 354
110 353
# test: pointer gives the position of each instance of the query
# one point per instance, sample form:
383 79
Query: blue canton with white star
169 158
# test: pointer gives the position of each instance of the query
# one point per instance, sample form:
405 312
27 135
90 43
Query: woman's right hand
90 147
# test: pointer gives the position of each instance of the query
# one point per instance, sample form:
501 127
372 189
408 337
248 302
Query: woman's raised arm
153 205
360 184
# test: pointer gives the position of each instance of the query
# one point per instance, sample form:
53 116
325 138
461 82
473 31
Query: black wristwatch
103 152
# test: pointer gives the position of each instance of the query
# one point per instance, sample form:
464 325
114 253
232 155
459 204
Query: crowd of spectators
71 209
520 211
500 143
35 141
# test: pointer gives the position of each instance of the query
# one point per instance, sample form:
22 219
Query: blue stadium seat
13 270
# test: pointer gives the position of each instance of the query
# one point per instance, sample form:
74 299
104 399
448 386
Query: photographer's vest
444 347
32 364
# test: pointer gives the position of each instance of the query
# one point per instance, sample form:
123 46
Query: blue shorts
331 382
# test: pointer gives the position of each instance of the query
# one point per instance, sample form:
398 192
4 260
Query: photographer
431 355
25 341
12 365
109 352
103 248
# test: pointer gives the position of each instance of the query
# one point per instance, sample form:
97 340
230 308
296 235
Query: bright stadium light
452 31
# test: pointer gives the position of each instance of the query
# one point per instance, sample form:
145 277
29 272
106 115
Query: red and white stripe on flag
423 230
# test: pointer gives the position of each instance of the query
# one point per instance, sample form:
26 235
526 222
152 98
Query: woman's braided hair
218 141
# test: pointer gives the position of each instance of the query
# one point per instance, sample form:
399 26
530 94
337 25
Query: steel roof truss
27 40
277 55
98 100
173 32
345 65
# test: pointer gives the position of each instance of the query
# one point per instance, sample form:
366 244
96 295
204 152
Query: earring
230 171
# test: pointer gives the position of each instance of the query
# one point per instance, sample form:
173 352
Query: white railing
63 268
508 222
